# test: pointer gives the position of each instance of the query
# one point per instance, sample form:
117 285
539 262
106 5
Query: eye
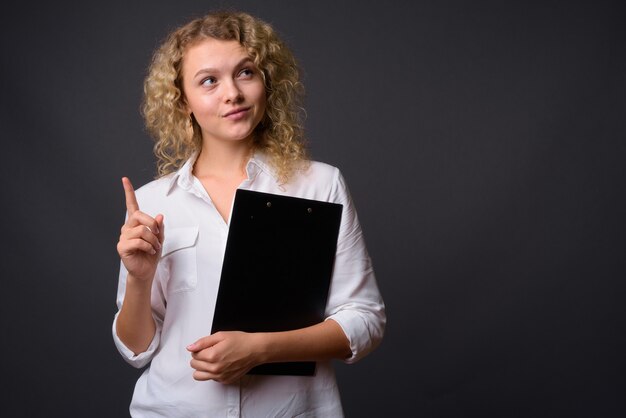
246 73
208 82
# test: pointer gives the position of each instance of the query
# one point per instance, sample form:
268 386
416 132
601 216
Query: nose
232 92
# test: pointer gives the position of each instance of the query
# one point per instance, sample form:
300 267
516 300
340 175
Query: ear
182 101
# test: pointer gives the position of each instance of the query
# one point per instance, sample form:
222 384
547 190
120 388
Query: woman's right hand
141 238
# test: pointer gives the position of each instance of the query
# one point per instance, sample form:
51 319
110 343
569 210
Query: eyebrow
213 70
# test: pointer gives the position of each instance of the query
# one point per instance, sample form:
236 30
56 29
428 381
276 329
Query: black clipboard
277 268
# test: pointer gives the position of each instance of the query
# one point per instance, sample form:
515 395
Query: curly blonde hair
177 136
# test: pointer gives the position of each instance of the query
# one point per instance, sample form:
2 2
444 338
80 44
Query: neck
223 159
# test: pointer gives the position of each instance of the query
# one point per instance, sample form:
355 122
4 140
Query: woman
221 100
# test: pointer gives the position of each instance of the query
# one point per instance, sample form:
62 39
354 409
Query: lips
237 112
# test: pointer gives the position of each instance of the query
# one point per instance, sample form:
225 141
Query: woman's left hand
224 356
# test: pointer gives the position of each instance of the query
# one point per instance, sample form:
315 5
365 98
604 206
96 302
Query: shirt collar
183 178
260 162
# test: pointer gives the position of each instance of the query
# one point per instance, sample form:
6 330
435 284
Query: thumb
204 342
159 219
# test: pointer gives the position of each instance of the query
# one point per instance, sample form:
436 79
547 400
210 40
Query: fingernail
190 347
152 251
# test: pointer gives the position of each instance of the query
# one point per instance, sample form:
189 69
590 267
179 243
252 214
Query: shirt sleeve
158 313
354 300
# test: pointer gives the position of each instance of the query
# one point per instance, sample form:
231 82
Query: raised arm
139 248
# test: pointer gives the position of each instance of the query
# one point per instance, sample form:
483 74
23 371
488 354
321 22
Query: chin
242 136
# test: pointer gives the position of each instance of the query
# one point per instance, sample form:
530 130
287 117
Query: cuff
135 360
363 339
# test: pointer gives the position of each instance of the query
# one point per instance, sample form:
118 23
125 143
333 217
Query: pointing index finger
131 200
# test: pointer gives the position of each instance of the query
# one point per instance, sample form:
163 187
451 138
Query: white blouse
185 288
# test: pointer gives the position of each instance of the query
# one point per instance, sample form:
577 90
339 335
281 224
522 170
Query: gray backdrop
484 146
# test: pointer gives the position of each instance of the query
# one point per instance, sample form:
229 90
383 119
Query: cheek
199 105
258 92
190 102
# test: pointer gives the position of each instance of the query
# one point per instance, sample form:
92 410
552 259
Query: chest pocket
179 259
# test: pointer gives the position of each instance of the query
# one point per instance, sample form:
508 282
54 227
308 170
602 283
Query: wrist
262 344
138 285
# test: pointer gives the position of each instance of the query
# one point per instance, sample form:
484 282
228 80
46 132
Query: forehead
212 53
